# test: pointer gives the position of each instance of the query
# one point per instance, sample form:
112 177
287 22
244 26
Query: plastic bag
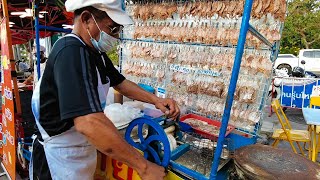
121 114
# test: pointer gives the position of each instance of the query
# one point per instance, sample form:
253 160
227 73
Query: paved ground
2 176
270 123
294 115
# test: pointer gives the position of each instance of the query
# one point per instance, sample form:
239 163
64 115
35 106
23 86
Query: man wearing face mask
69 99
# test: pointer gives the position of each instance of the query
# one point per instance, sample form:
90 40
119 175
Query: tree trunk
304 40
313 41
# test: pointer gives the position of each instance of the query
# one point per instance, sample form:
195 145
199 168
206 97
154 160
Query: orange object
8 119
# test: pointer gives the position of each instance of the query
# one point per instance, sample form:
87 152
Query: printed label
161 92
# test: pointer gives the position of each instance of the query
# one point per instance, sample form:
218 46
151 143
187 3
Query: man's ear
86 17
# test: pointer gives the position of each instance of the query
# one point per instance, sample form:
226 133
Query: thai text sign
296 92
8 123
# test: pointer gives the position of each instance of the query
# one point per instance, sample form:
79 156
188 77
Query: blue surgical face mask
105 42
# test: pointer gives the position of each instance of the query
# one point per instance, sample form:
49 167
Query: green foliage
114 57
302 26
24 53
290 50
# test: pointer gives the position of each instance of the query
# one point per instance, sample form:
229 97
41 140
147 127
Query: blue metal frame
37 28
232 87
239 140
123 6
50 28
26 153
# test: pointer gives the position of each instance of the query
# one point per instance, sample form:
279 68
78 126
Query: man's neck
81 34
87 41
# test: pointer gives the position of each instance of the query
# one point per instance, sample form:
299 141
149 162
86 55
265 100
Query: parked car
309 60
286 62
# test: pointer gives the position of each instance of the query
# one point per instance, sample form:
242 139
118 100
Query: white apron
69 154
103 89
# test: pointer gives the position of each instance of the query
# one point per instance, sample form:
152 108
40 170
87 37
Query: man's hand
152 172
168 106
133 91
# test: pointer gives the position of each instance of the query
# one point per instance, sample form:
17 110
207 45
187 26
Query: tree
302 26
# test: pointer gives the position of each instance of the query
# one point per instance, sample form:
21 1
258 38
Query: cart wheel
155 145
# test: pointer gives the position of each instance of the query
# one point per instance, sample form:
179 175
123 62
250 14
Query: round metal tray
266 162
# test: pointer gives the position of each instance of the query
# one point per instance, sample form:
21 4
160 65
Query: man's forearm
101 132
133 91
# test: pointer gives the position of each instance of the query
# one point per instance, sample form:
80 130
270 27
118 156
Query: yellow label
115 170
5 62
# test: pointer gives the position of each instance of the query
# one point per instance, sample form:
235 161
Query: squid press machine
186 152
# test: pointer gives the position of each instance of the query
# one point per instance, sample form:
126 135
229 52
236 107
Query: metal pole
260 36
51 28
232 86
37 28
123 6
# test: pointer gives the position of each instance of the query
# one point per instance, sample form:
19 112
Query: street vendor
67 101
33 78
43 60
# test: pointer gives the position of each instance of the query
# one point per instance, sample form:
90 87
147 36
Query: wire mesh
200 155
158 70
162 58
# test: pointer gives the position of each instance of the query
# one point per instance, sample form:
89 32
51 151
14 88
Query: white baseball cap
42 48
112 7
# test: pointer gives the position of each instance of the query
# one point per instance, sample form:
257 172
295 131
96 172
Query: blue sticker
4 139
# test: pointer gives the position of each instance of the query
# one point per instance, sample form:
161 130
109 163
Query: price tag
161 92
315 91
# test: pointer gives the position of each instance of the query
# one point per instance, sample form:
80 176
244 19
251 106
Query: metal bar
123 6
50 28
185 43
266 88
37 28
292 92
246 131
232 86
259 36
187 171
5 170
303 93
281 91
275 51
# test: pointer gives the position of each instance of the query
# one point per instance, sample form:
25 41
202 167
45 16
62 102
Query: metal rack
240 47
199 157
260 93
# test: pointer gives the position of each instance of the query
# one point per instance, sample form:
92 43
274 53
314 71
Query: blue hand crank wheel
155 145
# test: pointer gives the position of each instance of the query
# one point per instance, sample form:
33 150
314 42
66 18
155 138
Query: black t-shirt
68 87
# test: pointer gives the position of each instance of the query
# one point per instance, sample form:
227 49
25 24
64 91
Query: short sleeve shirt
69 84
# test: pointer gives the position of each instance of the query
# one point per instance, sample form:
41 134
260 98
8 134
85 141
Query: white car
286 62
311 58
